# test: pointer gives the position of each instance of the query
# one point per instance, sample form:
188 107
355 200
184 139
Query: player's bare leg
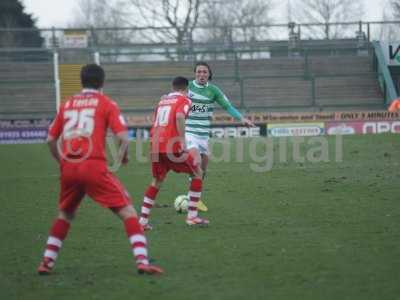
137 240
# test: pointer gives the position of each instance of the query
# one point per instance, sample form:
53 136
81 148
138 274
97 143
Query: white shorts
200 143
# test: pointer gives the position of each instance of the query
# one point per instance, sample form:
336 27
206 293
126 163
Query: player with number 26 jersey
76 140
81 127
83 121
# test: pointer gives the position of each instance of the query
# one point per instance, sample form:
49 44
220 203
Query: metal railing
237 57
384 78
307 100
121 37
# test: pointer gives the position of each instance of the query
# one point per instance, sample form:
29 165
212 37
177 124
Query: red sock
148 202
58 233
137 239
194 196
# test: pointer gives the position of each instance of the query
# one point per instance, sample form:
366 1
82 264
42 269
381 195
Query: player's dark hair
92 76
180 83
203 63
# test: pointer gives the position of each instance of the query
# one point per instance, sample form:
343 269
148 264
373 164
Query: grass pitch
303 230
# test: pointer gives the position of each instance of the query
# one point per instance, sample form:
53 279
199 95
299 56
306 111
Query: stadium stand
317 82
349 90
27 88
139 70
277 84
70 82
333 65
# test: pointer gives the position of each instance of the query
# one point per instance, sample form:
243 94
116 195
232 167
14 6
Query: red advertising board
362 127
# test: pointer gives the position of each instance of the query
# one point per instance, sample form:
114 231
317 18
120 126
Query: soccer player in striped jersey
205 96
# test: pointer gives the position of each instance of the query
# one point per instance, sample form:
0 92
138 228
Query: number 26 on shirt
79 123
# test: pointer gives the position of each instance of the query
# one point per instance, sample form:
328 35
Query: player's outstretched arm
224 102
247 122
238 116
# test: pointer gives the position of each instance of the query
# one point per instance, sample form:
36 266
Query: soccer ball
181 203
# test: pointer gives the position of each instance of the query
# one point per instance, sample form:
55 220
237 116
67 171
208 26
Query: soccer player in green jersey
204 96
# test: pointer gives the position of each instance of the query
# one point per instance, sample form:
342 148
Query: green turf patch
302 230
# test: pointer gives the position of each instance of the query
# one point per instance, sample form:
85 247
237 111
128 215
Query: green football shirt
203 98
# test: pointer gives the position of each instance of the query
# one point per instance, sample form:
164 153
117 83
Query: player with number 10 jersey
168 152
164 132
